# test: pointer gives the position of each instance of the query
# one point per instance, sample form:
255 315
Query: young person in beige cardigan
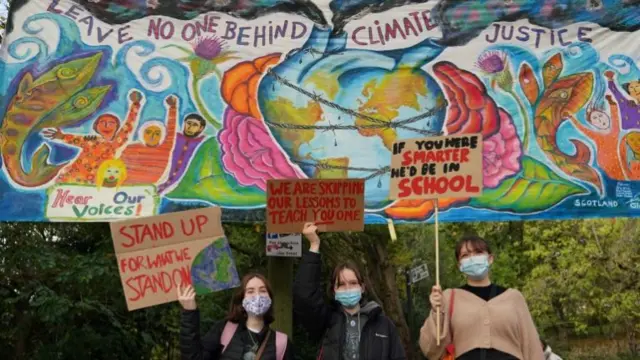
488 322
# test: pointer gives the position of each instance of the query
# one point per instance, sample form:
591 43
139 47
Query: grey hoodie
353 329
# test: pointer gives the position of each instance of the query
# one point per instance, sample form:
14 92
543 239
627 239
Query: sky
4 6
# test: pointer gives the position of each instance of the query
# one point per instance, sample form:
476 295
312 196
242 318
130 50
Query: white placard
419 273
285 245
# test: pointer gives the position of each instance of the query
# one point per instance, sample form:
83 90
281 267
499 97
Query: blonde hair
116 163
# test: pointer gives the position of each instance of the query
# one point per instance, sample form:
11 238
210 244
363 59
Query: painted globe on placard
337 112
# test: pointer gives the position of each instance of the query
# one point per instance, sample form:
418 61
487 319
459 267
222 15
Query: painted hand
171 100
135 97
52 134
610 99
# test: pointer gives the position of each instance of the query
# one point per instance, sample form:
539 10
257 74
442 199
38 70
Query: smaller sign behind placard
285 245
419 273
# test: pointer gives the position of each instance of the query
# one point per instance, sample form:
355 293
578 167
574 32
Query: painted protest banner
157 254
279 100
437 167
333 204
284 245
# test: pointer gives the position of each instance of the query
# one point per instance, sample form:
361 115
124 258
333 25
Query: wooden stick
435 202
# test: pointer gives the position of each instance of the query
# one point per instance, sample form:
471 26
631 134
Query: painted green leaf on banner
535 188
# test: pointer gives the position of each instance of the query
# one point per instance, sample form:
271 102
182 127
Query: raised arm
584 129
308 297
428 333
69 139
529 337
172 120
616 124
192 347
613 88
125 130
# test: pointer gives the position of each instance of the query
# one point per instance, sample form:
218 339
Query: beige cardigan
503 323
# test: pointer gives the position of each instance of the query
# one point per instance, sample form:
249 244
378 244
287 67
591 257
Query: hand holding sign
436 297
310 232
187 297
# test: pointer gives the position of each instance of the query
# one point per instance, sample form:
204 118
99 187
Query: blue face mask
349 298
475 267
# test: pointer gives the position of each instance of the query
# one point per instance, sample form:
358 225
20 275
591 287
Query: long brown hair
237 313
350 265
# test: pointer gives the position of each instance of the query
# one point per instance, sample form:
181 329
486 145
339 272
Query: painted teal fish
57 98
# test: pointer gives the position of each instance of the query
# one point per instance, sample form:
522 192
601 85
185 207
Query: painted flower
203 59
494 64
208 48
250 154
501 153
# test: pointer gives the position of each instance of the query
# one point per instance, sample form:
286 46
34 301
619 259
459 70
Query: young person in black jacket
349 327
243 335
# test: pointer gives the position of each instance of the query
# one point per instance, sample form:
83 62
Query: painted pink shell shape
501 153
250 154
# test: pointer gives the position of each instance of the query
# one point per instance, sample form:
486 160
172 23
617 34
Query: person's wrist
314 248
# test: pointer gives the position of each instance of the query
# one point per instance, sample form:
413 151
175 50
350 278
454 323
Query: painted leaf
77 108
528 83
208 181
535 188
552 69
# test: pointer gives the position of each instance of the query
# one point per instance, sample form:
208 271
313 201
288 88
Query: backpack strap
281 345
227 333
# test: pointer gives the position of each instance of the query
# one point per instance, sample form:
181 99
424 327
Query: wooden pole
281 278
435 202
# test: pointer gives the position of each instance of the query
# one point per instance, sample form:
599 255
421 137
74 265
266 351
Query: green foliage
61 296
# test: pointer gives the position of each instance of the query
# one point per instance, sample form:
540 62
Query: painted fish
561 97
566 95
54 99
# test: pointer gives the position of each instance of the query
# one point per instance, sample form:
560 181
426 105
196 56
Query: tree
587 275
4 12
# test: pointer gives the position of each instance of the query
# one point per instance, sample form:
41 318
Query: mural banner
120 109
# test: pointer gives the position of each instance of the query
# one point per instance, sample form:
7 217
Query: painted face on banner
152 136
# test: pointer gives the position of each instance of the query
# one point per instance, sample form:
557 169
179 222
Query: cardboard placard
157 254
333 204
437 167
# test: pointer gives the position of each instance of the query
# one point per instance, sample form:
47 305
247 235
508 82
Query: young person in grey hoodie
349 327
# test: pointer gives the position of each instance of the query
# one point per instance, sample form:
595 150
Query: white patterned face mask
256 305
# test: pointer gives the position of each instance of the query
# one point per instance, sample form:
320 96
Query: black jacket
327 321
192 347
